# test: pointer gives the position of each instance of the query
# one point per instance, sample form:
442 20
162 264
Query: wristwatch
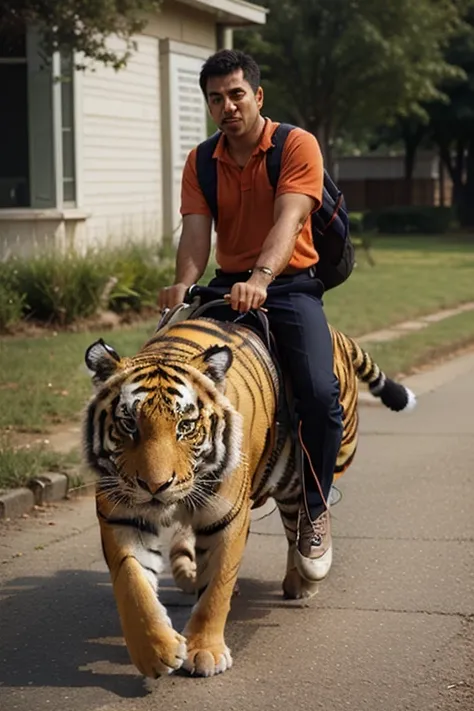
265 270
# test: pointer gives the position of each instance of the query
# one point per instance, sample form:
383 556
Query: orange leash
311 467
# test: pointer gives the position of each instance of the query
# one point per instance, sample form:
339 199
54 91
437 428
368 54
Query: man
263 240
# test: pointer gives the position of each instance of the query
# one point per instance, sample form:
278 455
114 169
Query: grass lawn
43 380
438 340
412 276
20 464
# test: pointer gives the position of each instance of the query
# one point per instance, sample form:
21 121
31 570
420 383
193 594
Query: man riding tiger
190 431
263 240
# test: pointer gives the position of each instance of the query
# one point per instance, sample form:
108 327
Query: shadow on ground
65 632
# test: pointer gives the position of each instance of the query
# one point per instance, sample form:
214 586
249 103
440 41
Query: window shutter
40 125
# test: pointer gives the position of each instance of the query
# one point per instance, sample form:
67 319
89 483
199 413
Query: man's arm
191 260
290 213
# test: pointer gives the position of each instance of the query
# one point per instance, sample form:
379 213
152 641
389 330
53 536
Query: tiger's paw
207 659
161 652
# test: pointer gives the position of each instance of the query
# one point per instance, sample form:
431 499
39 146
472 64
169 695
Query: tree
407 133
80 25
448 125
336 67
452 124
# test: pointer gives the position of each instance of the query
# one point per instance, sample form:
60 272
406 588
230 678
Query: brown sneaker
313 555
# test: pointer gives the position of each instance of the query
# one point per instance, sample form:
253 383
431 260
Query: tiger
189 433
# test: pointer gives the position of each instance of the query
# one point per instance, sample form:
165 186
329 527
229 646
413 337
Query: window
14 163
37 158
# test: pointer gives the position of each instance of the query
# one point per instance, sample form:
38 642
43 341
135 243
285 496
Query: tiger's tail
394 395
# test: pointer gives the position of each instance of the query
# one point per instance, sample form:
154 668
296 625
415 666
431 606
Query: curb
45 489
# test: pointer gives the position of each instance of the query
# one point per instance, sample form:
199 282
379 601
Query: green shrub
12 304
411 220
58 288
61 288
140 272
356 222
12 298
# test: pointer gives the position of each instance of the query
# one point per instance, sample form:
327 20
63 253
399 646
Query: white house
98 159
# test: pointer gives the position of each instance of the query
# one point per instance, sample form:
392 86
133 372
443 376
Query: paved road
391 628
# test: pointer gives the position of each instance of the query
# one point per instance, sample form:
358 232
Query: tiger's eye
185 427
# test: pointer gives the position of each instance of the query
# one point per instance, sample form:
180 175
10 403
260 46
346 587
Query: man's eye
185 427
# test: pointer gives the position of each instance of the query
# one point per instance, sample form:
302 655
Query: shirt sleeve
193 201
302 168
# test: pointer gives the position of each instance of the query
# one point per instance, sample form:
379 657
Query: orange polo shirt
246 198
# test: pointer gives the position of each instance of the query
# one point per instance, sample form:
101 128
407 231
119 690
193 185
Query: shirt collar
221 152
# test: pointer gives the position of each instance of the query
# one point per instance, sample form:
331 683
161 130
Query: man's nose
229 106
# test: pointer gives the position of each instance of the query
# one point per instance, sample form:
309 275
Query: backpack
329 224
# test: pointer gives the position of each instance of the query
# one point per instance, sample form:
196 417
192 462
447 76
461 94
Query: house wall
183 23
374 182
372 194
135 125
119 166
133 129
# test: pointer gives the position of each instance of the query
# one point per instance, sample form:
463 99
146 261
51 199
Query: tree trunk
465 201
412 135
455 171
410 157
324 135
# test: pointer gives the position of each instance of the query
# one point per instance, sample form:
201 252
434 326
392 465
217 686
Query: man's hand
246 295
172 295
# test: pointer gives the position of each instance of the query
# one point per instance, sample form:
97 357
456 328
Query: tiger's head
157 431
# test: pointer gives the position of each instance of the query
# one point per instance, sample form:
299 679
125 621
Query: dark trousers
300 329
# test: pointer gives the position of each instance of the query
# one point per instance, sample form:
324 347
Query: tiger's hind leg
288 500
183 558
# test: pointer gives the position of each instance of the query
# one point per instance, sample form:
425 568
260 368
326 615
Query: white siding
188 121
121 148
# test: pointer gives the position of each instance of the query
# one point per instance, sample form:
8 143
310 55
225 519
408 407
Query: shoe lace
316 530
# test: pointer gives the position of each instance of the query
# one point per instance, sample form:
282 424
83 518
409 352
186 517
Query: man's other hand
246 295
171 296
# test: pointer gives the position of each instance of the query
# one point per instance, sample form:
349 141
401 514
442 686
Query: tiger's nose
152 488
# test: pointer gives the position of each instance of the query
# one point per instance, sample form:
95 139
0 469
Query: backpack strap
206 170
274 154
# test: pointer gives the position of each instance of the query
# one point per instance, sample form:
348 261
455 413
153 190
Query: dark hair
227 61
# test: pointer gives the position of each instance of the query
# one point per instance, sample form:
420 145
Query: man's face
232 103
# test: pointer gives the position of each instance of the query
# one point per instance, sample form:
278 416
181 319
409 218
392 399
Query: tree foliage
337 66
449 124
452 124
80 25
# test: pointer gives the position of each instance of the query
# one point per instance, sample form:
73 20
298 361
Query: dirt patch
103 321
62 437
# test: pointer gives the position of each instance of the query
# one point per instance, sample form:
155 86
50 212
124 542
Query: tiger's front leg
219 551
134 559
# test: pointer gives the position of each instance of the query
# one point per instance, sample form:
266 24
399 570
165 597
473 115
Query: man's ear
214 362
102 360
259 97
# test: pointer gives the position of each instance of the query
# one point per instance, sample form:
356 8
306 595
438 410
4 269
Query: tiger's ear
214 362
102 360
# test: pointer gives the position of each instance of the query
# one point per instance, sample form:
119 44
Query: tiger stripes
185 434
